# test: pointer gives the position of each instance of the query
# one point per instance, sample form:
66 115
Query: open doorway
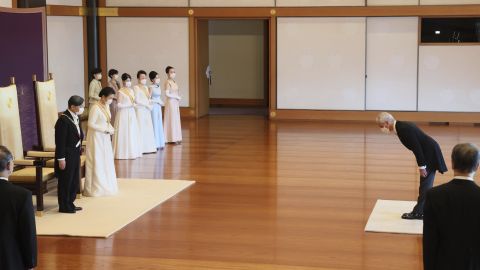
236 72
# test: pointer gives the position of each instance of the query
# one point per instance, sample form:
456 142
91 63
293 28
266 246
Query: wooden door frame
270 52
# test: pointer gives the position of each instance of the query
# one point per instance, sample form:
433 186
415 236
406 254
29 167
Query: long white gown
100 177
144 116
172 124
126 140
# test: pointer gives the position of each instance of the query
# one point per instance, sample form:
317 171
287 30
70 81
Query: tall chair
47 116
30 171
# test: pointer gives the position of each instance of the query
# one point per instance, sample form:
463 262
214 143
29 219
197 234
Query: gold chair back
47 112
10 129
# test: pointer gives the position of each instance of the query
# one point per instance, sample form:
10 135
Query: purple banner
22 54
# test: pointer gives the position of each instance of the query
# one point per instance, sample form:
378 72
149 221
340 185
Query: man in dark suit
68 143
427 153
18 237
451 225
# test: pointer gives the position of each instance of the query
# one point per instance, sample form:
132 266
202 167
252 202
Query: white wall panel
391 2
313 3
65 2
66 56
448 2
448 78
149 44
6 3
147 3
321 63
392 50
231 3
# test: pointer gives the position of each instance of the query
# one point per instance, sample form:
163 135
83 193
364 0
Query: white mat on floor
386 218
103 216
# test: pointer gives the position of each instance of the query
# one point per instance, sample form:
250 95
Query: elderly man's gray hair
465 157
385 117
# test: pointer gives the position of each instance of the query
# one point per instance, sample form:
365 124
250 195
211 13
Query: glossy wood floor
269 195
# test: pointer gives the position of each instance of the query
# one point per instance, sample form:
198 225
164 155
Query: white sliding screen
321 63
392 50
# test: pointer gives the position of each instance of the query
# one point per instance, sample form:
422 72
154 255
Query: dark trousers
426 183
68 181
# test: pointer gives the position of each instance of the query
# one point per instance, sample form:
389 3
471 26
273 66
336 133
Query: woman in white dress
144 115
126 140
172 124
100 177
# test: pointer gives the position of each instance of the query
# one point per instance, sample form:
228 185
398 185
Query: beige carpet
386 218
103 216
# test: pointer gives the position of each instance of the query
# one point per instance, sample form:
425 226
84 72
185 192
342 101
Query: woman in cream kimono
115 85
100 177
144 116
172 124
126 140
95 86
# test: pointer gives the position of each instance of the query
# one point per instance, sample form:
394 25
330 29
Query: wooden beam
59 10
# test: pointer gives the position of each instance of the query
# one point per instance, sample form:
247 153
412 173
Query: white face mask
385 130
157 81
109 101
80 111
115 77
173 75
128 84
98 76
143 82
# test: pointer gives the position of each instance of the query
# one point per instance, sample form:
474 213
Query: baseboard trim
453 117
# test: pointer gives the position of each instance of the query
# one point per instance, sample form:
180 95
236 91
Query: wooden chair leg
39 187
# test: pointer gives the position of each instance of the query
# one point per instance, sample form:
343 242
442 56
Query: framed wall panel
66 58
65 3
230 3
6 3
448 78
321 63
319 3
150 44
392 50
391 2
449 2
147 3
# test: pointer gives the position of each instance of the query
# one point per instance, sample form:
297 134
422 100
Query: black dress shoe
78 208
412 216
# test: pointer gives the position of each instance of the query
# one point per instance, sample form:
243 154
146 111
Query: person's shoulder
439 189
17 191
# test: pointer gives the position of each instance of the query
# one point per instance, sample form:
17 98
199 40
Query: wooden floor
269 195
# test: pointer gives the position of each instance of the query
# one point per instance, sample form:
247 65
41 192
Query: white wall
65 2
312 3
6 3
392 49
230 3
149 44
449 78
391 2
237 59
321 63
147 3
66 56
448 2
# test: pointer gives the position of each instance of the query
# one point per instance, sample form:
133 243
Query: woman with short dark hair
172 124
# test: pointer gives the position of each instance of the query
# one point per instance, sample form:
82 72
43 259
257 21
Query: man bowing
427 153
68 141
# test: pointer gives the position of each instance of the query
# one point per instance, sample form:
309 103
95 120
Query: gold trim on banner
107 12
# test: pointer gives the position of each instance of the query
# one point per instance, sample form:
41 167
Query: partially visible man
451 225
427 153
68 143
18 236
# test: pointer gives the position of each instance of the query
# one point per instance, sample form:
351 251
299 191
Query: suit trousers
68 180
426 183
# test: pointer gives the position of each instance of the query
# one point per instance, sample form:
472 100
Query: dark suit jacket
451 227
18 237
66 137
426 150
